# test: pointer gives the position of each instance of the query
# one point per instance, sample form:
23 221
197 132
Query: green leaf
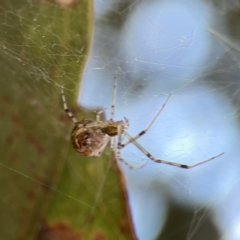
47 189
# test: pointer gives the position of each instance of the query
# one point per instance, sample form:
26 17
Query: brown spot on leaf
98 235
15 119
31 195
10 139
36 143
58 231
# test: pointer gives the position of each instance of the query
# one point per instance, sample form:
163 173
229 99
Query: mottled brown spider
90 137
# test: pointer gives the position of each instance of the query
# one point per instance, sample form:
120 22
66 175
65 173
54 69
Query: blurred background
154 48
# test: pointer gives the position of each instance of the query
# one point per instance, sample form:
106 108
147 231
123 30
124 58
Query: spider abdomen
88 141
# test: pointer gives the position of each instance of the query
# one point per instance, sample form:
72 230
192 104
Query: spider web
153 48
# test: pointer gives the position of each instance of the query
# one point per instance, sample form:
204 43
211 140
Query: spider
90 137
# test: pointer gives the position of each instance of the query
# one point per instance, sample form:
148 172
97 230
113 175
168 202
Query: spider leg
66 109
98 114
133 167
112 143
120 145
179 165
112 103
120 131
117 150
113 99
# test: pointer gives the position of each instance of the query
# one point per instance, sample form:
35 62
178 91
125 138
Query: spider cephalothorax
112 128
90 137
